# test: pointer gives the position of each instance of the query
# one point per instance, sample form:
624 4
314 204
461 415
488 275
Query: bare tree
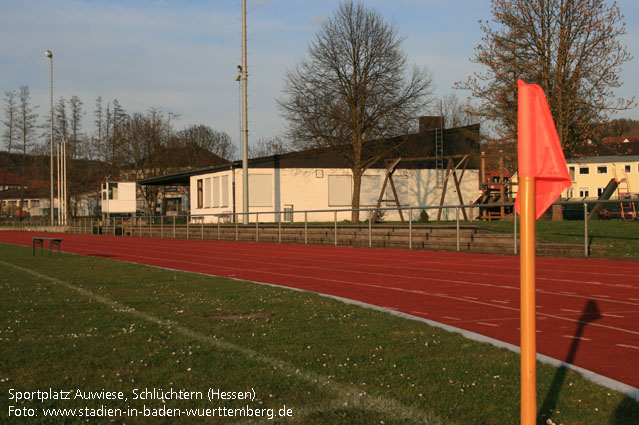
26 130
204 137
10 132
455 112
268 147
75 126
570 48
354 90
60 121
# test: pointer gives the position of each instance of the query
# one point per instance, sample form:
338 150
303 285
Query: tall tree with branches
10 132
26 129
354 90
571 48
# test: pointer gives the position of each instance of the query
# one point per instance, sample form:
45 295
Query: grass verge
621 238
71 322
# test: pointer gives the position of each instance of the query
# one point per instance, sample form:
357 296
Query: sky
181 55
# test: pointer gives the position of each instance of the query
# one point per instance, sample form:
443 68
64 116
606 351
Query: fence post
188 220
162 227
257 227
279 227
202 228
370 230
218 227
237 230
335 219
173 227
305 227
410 228
457 225
150 226
585 229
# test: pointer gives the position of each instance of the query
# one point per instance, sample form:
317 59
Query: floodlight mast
50 56
245 186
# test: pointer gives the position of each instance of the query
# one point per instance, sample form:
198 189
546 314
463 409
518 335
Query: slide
607 193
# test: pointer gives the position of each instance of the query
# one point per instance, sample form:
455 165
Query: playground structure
451 171
495 188
627 209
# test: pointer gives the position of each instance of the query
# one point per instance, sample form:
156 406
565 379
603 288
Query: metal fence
278 226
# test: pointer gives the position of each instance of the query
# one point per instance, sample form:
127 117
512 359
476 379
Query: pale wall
595 180
125 202
305 191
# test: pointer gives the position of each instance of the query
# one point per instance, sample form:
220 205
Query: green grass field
71 322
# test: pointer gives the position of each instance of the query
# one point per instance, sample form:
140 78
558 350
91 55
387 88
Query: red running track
476 292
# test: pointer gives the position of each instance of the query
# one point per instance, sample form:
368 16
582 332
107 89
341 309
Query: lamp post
50 56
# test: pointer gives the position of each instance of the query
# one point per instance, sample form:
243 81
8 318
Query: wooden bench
53 242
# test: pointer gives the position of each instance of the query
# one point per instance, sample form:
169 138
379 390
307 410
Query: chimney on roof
429 123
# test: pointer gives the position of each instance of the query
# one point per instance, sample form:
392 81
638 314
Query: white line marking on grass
627 346
577 337
630 391
348 394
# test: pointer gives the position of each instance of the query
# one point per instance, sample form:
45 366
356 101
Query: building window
600 191
602 169
571 171
369 191
627 168
225 192
216 192
570 192
583 192
113 191
200 194
584 170
260 190
340 191
207 193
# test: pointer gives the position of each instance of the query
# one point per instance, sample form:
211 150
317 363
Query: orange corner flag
539 149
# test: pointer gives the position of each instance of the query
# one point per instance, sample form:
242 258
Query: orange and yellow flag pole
527 307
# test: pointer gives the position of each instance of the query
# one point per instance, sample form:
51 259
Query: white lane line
612 315
487 324
367 285
633 299
451 318
569 310
419 312
600 296
471 298
627 346
568 293
500 301
577 337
